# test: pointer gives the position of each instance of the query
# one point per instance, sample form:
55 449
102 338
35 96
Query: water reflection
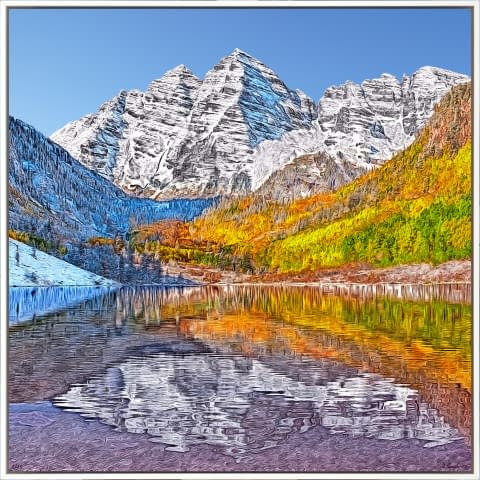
27 303
243 367
450 292
186 400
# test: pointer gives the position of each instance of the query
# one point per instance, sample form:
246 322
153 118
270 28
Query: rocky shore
455 271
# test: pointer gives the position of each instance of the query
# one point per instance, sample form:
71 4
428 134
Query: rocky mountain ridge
230 132
358 128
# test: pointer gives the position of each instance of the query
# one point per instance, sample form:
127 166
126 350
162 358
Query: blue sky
63 63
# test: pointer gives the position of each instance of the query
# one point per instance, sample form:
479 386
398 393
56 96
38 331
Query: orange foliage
170 232
99 241
254 333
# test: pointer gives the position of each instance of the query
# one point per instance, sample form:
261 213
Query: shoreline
332 284
455 272
279 283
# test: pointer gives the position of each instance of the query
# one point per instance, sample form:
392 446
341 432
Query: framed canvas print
239 239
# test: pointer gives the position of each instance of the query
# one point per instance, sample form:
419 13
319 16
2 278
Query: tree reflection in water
242 367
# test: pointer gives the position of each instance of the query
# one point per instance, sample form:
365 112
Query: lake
241 378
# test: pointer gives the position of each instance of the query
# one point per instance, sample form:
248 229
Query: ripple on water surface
242 368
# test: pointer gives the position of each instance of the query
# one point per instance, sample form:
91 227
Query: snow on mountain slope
307 175
230 132
201 134
364 125
28 266
128 140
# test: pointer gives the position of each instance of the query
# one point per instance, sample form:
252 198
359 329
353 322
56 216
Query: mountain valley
415 208
247 176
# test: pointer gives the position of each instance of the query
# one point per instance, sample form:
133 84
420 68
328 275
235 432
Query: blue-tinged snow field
28 303
50 192
263 106
28 266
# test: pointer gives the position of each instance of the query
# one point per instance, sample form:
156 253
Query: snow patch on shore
29 266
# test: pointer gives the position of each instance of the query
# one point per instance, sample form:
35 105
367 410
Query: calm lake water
236 375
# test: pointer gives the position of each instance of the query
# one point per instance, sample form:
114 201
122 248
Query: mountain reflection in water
241 368
183 400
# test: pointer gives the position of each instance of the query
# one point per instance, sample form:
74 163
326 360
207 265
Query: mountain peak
178 75
178 70
241 56
431 70
190 137
237 52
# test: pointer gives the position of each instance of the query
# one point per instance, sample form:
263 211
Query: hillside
55 197
416 208
59 206
31 267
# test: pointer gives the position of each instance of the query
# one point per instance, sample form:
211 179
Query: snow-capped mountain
130 138
360 126
184 136
231 131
